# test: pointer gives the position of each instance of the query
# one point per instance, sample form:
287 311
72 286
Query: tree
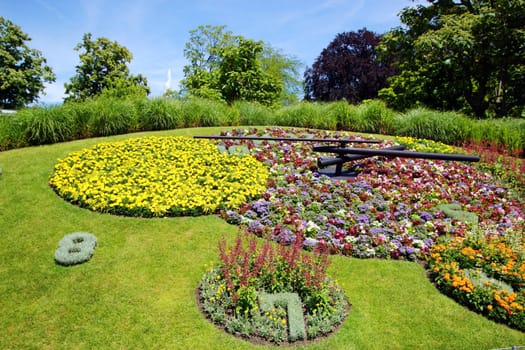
462 55
203 52
23 71
103 67
348 69
229 67
240 75
285 69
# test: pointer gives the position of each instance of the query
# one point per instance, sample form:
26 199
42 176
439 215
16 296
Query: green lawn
138 290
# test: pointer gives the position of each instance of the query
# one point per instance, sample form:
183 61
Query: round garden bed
158 176
269 293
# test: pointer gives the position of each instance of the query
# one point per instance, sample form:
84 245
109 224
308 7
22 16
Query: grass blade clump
160 114
253 113
447 127
11 132
198 112
112 117
46 125
374 116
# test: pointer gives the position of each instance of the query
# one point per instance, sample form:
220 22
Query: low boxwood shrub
75 248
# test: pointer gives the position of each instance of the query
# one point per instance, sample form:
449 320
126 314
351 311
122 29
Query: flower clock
273 293
394 209
158 176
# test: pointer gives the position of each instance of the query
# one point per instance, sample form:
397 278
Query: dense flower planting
485 274
390 210
158 176
232 293
393 209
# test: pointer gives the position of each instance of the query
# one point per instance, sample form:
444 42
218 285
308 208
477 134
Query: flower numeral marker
294 310
75 248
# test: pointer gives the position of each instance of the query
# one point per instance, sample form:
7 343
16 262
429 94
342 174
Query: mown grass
137 292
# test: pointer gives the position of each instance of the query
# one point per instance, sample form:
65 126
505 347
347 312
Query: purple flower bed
387 211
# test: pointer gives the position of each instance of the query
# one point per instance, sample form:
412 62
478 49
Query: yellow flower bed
158 176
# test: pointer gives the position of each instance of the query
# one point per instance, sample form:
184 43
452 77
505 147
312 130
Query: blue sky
155 31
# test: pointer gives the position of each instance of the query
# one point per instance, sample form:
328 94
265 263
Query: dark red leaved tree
348 69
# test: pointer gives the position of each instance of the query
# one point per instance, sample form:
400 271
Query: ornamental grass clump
254 291
158 176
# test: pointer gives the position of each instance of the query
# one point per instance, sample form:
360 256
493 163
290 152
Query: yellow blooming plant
158 176
422 145
485 274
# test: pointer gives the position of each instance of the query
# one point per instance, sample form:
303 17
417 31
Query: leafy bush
229 292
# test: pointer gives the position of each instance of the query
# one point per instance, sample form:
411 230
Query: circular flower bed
485 274
158 176
272 293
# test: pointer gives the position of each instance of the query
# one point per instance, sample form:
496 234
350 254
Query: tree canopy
23 71
230 67
465 55
347 69
103 68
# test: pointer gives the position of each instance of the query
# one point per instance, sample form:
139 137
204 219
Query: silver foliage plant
75 248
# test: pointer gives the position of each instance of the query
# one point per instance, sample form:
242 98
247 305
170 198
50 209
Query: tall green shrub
11 132
306 115
199 112
507 134
345 114
253 113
